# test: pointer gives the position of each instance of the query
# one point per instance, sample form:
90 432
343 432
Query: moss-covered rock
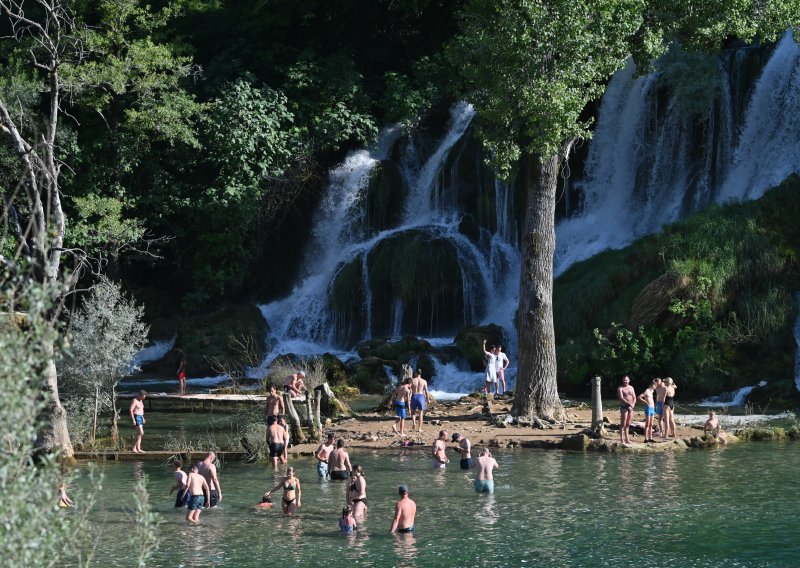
209 336
369 375
469 342
347 299
775 395
386 194
419 275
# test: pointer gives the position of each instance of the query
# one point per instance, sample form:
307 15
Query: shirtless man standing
274 407
401 397
277 440
404 512
208 470
199 494
627 400
339 462
137 416
323 452
649 411
484 482
419 399
440 458
464 446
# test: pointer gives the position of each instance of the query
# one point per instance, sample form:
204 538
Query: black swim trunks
406 530
466 463
339 475
275 450
214 498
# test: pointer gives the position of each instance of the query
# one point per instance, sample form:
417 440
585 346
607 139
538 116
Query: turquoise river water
730 507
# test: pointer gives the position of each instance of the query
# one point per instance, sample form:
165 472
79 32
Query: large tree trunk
53 436
536 392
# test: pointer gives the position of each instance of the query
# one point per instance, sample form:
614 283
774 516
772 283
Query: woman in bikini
669 410
357 492
292 493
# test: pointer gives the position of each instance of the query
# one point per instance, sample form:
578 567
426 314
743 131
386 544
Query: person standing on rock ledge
502 365
627 400
649 411
491 369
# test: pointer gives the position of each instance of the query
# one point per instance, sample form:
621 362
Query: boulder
651 307
575 442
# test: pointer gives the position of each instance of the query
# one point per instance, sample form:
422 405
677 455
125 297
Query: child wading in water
347 524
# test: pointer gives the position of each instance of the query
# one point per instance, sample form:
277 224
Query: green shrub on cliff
709 301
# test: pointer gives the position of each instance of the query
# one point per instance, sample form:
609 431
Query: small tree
107 332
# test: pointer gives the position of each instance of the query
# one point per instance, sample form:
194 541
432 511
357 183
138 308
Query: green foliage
620 349
249 133
34 532
99 222
145 522
692 78
107 332
729 326
331 102
531 67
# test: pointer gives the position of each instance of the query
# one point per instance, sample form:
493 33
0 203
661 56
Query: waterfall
735 398
640 173
768 150
154 352
303 324
649 163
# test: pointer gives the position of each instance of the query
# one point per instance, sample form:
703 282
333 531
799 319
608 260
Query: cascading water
648 164
640 173
735 398
305 323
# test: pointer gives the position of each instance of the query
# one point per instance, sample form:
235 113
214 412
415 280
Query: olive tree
107 331
530 67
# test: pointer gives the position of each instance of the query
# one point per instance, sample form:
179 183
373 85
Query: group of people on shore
659 410
659 401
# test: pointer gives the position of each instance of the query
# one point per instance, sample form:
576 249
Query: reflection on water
703 508
405 547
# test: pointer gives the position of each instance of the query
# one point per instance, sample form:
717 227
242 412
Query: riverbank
170 434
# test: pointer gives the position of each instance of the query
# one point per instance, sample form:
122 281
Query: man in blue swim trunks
484 482
199 494
419 399
401 397
137 416
405 510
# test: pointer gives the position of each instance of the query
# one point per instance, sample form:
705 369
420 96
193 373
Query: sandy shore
372 430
